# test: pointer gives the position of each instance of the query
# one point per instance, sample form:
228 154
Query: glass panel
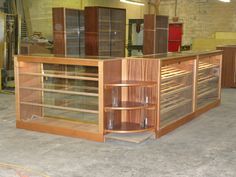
176 91
82 34
72 32
117 32
59 91
104 32
208 80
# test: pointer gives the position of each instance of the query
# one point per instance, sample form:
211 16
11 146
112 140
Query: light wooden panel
112 72
142 70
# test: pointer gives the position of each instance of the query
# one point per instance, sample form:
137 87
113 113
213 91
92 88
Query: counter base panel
55 128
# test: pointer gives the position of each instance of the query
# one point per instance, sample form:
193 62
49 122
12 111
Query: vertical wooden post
195 83
220 75
17 92
100 98
158 89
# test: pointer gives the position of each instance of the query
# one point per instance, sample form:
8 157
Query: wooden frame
142 94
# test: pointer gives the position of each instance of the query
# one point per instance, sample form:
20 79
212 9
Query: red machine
175 37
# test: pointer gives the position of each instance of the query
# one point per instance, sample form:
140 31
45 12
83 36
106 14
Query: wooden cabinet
105 31
68 31
228 66
155 34
145 95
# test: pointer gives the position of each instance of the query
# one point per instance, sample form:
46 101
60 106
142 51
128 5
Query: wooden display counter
96 98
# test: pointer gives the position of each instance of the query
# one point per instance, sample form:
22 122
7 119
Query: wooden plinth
44 127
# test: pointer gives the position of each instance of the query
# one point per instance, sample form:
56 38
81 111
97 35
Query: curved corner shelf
131 84
127 127
125 105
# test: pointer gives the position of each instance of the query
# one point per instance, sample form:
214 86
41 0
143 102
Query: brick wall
202 18
41 11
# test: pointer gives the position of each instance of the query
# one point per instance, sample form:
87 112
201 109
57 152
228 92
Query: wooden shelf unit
155 34
105 31
68 31
123 122
149 94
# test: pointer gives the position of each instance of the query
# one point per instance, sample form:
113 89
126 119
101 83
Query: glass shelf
60 76
203 66
172 72
126 105
131 84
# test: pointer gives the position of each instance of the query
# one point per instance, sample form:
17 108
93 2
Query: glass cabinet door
176 91
104 32
117 32
72 32
208 80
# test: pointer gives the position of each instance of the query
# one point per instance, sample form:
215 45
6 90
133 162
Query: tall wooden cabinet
105 31
228 65
68 31
155 34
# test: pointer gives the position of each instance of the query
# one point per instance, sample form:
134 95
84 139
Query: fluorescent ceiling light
132 2
225 0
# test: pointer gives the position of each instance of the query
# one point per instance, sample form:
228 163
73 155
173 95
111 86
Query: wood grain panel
91 43
142 70
91 19
155 34
112 72
58 31
228 66
149 20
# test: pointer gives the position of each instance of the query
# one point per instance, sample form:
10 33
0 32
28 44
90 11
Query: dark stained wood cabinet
155 34
228 65
68 31
105 31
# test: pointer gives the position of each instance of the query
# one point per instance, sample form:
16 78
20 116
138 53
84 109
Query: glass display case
68 31
102 98
62 94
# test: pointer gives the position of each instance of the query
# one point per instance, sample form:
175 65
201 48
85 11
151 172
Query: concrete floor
205 147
